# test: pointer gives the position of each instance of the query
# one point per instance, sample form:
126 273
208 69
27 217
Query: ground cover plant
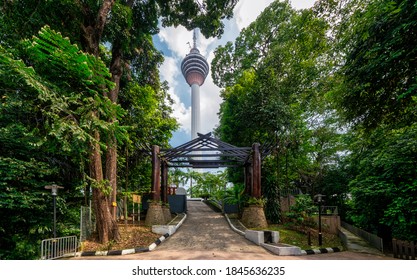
298 236
131 236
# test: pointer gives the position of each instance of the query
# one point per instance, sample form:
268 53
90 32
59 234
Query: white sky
175 41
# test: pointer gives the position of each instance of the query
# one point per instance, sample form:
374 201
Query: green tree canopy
379 68
273 76
373 90
47 123
120 33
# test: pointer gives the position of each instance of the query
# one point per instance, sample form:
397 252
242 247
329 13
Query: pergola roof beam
214 151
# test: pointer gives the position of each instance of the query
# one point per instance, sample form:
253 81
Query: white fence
55 248
87 223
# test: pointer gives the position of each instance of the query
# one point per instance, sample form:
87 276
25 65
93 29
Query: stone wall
329 223
286 202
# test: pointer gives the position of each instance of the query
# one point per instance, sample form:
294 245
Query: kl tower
195 69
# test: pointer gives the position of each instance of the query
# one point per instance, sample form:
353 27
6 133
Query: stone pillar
253 216
256 171
155 214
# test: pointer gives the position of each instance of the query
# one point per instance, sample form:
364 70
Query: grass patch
298 236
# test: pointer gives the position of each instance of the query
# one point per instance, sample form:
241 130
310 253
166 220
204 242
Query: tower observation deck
195 69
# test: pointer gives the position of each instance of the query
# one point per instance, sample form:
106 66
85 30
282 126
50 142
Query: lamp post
319 201
54 191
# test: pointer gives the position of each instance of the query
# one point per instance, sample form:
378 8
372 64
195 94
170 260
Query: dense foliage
274 73
80 104
335 88
47 124
376 98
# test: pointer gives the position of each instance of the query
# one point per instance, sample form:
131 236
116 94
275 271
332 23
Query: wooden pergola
207 152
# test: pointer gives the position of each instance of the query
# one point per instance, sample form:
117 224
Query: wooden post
395 248
248 179
256 171
156 174
164 183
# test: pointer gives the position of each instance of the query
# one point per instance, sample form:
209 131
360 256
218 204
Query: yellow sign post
138 200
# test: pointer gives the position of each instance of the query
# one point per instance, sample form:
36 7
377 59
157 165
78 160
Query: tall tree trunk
111 173
106 225
116 70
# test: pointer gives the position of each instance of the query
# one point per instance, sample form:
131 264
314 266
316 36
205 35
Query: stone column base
167 213
254 217
155 215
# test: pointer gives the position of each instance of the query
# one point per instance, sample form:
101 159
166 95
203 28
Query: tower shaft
195 69
195 110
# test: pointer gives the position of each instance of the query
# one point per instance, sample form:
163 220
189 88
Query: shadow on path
206 235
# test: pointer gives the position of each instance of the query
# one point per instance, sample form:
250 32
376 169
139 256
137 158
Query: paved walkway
357 244
206 235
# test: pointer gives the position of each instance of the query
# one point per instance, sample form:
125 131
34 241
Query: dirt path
206 235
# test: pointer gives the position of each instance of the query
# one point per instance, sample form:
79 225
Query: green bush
303 209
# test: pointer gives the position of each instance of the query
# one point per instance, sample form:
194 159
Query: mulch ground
132 236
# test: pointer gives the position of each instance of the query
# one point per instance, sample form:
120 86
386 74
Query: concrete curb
133 250
303 252
233 227
321 251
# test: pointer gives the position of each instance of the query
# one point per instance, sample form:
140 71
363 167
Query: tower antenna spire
195 38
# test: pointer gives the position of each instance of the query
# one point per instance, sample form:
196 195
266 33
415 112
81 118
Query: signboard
137 199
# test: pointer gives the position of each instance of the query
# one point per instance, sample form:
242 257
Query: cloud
176 39
179 40
182 114
210 102
170 71
302 4
247 11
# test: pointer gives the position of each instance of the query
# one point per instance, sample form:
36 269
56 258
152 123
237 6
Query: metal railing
329 210
55 248
293 192
87 223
